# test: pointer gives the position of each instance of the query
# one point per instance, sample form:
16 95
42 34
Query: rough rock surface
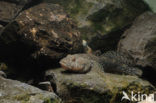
140 40
96 86
9 9
12 91
43 33
97 18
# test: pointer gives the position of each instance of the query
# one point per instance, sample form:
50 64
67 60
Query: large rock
43 34
95 86
12 91
140 40
97 18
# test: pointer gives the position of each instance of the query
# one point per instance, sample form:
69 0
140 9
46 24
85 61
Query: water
152 4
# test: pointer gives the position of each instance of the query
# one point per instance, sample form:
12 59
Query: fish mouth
63 65
70 68
73 69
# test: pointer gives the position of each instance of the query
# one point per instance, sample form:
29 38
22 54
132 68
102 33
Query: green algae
83 95
22 97
49 100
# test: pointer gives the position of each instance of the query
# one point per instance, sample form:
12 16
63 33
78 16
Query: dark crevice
3 23
108 41
24 67
32 3
149 74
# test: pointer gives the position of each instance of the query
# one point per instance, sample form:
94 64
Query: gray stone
140 40
12 91
96 86
9 10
